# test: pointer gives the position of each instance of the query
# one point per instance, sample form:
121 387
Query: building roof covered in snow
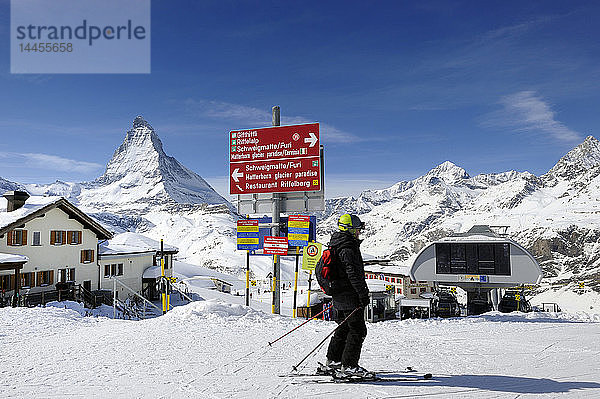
133 243
36 206
11 258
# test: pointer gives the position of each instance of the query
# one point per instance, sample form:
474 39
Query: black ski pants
346 343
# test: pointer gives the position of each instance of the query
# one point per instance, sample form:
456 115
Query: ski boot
354 373
329 368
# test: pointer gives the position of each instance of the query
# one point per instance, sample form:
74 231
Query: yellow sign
517 297
247 240
389 287
453 290
253 283
311 255
581 284
247 229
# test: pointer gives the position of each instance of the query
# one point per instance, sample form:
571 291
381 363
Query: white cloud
527 112
50 162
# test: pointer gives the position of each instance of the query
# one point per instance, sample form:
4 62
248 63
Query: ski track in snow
210 349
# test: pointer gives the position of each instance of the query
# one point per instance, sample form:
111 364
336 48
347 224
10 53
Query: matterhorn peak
448 172
140 172
139 121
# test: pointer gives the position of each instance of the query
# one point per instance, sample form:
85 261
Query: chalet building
134 260
399 278
47 243
59 241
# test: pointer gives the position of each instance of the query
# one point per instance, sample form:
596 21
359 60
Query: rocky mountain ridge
556 215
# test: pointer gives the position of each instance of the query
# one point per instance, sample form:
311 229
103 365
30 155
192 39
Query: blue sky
398 87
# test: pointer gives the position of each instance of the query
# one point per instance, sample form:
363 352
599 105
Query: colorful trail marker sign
298 230
247 235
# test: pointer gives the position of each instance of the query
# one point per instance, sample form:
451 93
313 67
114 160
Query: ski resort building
54 240
479 261
397 278
49 248
134 260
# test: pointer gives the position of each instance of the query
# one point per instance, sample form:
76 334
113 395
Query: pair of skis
377 377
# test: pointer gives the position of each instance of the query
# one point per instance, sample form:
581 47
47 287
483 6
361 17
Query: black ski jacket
350 285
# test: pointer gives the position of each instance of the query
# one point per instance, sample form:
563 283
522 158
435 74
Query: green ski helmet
350 223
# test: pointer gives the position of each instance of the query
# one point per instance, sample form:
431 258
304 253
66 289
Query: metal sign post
276 264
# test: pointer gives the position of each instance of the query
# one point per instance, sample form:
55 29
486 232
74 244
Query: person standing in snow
349 300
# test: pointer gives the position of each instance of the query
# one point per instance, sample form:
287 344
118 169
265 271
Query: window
58 237
87 255
398 290
166 262
7 282
37 238
422 289
27 280
65 275
74 237
471 258
17 238
45 278
413 290
393 279
114 269
387 279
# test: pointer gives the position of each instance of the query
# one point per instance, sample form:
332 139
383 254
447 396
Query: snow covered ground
210 349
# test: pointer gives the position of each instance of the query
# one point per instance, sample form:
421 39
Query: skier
351 295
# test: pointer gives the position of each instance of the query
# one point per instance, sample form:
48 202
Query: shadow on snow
500 383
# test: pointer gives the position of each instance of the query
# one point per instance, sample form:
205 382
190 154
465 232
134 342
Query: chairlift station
478 261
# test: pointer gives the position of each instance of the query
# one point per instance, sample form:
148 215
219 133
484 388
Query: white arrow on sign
312 139
236 174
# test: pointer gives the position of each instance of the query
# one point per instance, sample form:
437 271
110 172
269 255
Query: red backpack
326 270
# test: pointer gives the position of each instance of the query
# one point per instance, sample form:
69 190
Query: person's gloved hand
364 301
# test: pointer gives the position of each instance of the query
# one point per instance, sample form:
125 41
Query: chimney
15 200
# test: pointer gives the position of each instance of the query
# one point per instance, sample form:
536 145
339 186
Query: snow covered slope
217 350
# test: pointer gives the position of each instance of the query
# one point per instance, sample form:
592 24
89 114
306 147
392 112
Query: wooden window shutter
69 237
9 238
51 277
24 237
52 237
82 256
40 278
92 257
12 282
79 237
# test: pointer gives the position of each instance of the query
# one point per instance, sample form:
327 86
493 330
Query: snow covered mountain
140 177
557 215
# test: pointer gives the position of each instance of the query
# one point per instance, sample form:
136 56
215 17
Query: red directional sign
275 159
275 245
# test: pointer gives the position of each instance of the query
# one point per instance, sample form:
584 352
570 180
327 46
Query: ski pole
295 368
295 328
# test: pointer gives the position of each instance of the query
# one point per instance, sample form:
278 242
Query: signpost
275 245
247 235
311 255
298 230
277 159
247 239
